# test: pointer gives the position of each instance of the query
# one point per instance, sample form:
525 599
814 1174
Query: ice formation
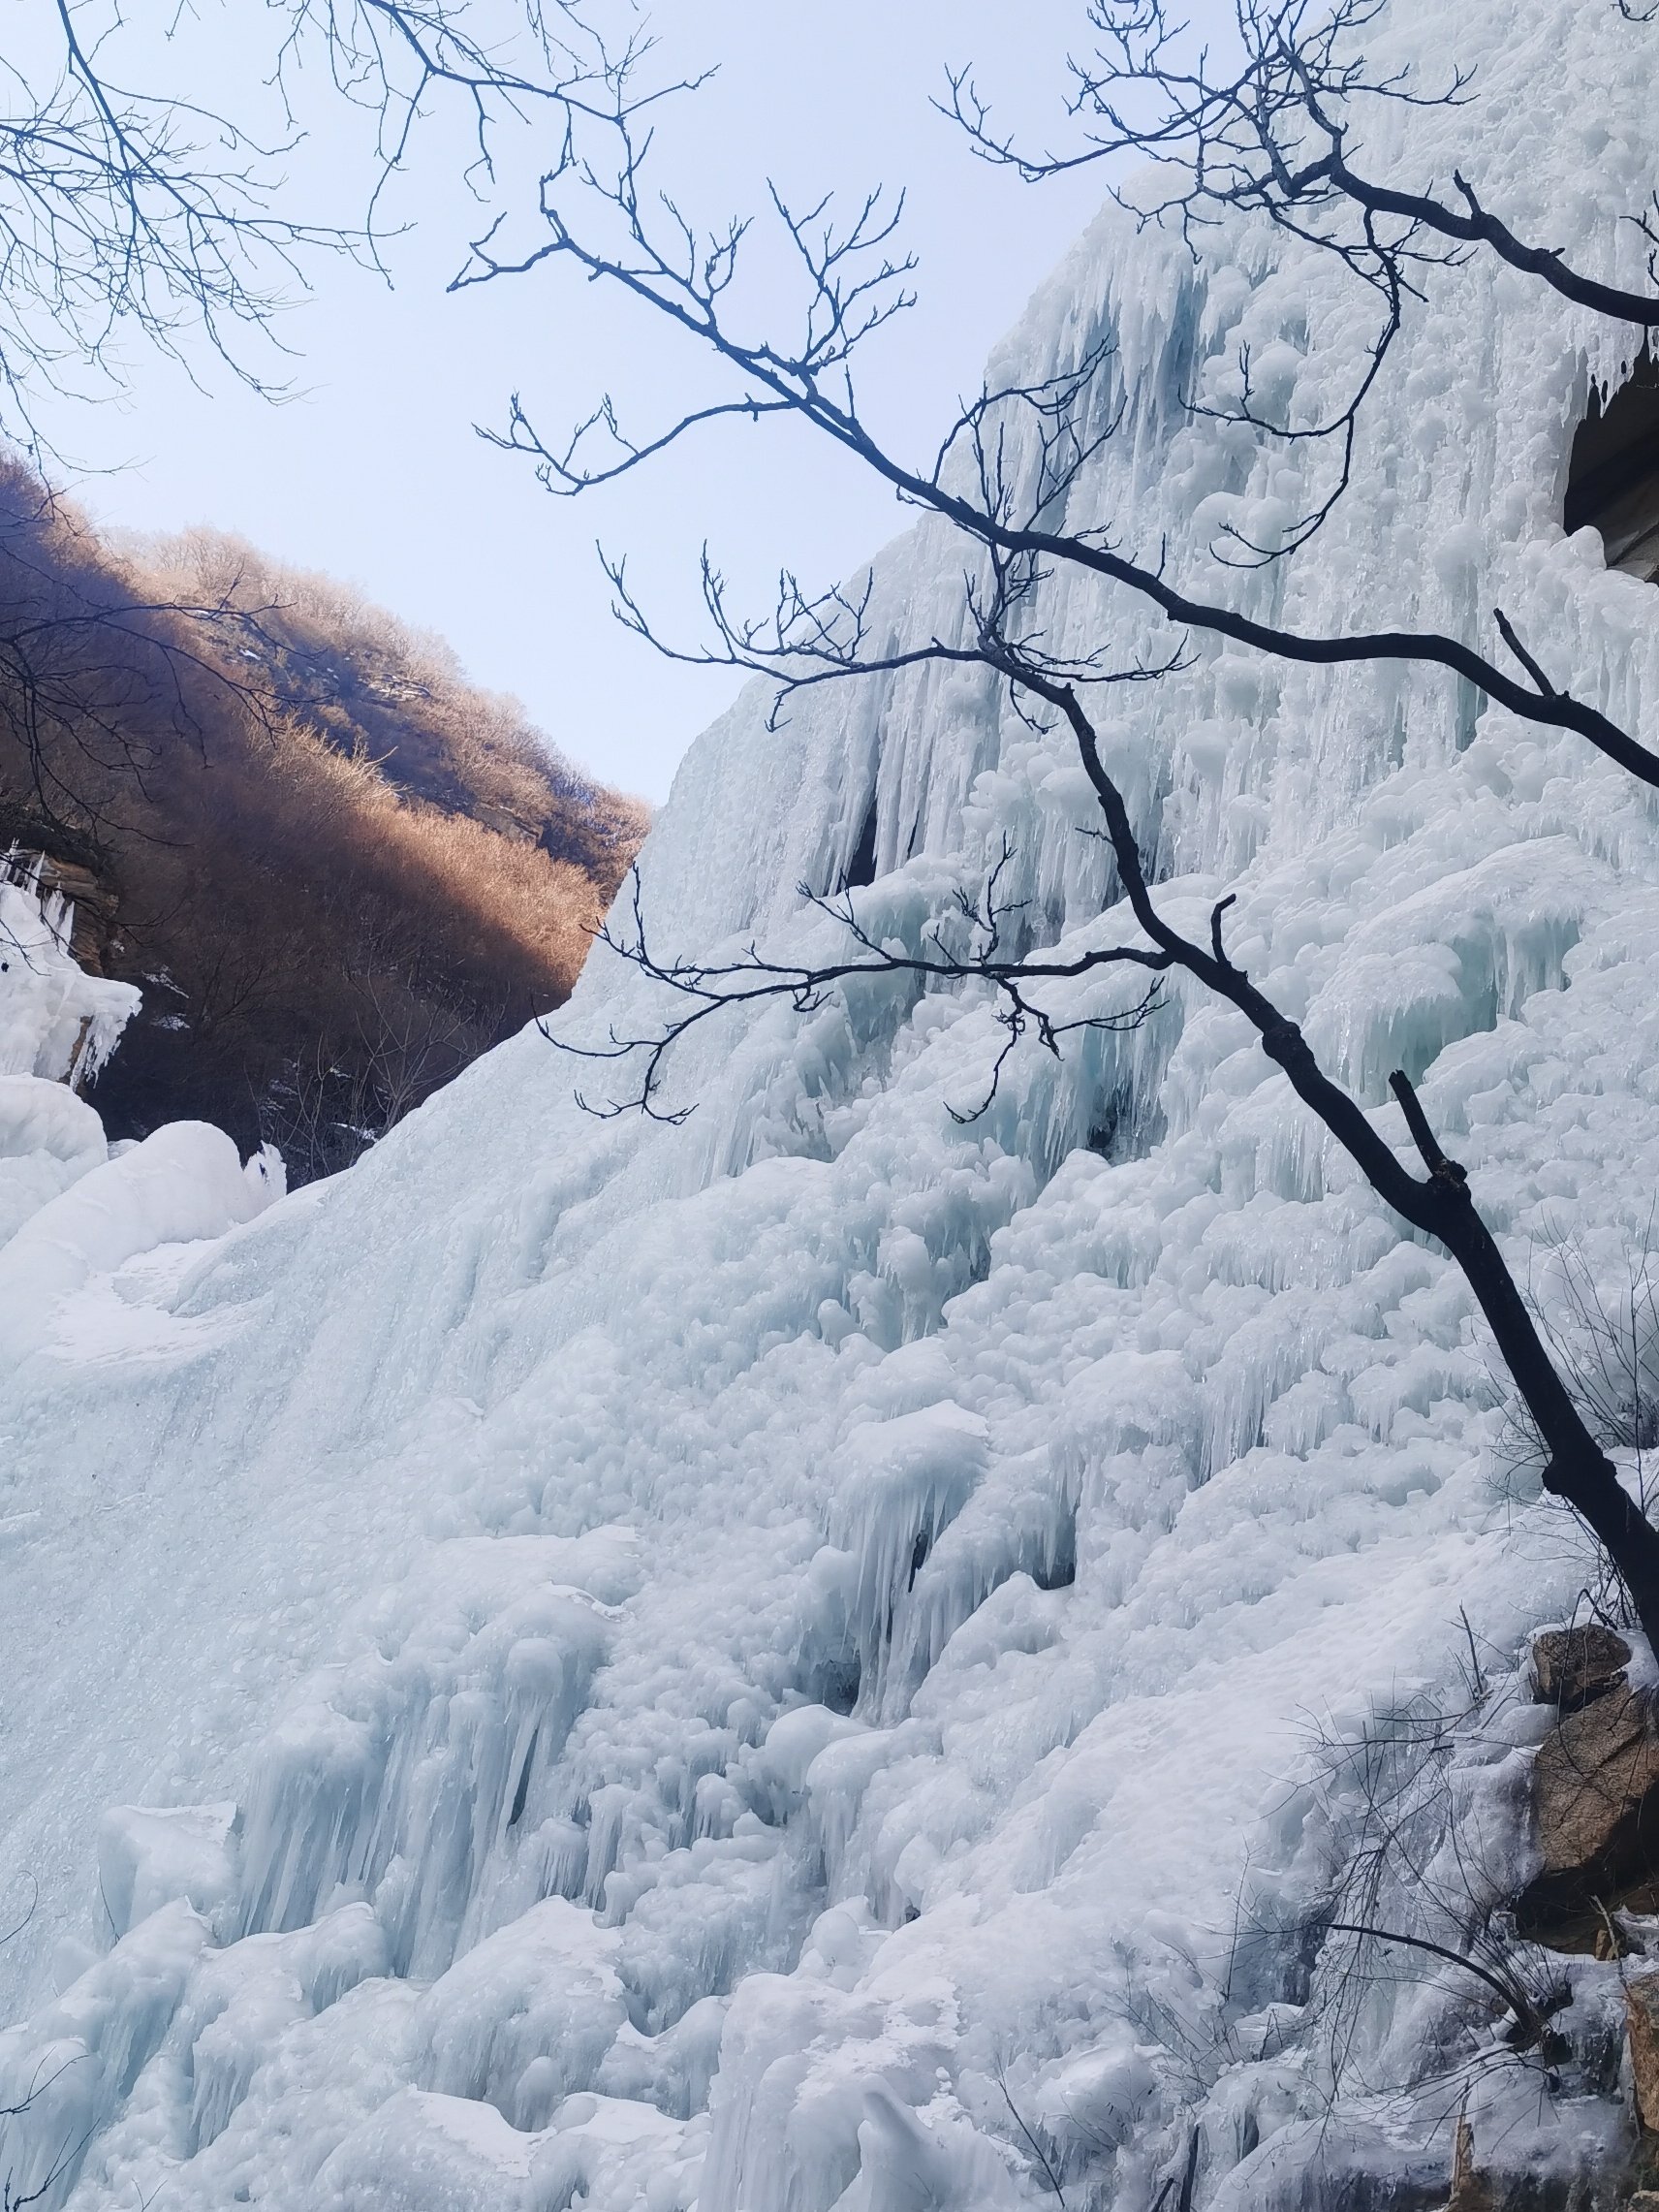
55 1021
765 1664
57 1026
71 1217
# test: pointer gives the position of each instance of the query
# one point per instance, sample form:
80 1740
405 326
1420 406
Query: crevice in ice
1103 1096
900 1485
1104 1129
1057 1565
522 1792
835 1683
1125 1122
1613 473
861 867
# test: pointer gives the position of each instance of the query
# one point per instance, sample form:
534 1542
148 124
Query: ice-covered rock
48 1139
57 1026
56 1020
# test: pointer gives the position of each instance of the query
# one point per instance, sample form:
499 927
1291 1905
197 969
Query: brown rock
1642 2019
1596 1798
94 905
1471 2191
1572 1666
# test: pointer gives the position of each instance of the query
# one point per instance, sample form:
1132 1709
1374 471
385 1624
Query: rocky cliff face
827 1657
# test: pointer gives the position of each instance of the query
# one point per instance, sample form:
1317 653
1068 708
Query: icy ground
765 1665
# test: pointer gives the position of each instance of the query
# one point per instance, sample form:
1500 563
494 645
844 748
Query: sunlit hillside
336 869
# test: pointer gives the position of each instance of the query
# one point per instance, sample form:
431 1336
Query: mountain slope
336 869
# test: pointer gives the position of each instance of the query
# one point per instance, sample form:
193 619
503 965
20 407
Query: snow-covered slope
759 1663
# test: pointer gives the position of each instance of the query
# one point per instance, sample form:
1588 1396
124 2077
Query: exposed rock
93 904
1642 2016
1595 1794
1573 1666
1471 2190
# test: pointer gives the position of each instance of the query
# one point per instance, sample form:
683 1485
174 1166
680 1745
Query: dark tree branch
853 287
750 979
1506 630
1004 477
1421 1135
1532 2025
1274 133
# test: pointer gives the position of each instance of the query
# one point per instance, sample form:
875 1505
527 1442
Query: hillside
336 870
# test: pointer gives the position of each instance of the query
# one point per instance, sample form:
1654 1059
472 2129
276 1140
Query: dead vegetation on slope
336 869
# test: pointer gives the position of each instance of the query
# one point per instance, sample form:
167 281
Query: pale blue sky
374 474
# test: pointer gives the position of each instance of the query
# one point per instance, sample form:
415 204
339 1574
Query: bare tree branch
128 208
851 288
1273 133
1272 137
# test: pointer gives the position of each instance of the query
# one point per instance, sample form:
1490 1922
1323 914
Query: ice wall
765 1664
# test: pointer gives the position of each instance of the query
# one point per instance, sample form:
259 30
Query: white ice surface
57 1026
56 1020
727 1643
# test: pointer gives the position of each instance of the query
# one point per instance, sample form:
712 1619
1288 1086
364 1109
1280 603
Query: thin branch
969 483
1036 2151
1534 2025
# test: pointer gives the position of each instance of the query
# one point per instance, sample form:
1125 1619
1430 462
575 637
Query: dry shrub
373 689
338 871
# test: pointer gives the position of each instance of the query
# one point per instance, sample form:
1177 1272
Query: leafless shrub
1419 1900
1601 1326
321 933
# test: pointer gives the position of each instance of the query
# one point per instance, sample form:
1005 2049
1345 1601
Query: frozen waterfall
764 1665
